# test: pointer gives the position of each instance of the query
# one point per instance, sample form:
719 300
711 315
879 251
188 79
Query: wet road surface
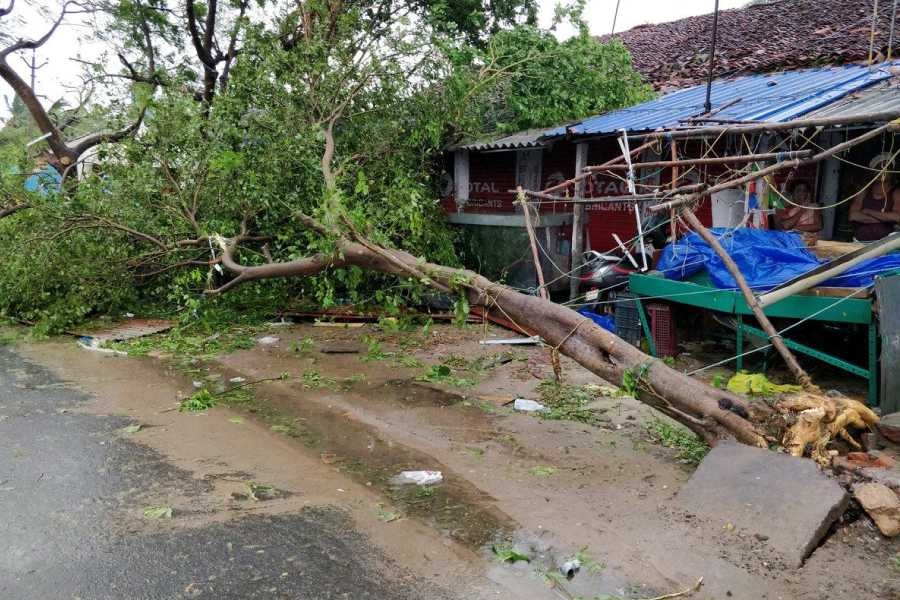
70 485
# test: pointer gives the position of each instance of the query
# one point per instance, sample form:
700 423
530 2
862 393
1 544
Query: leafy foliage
552 82
338 110
568 402
197 402
691 449
508 554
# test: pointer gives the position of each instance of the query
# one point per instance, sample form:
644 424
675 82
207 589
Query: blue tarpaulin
45 182
604 321
766 258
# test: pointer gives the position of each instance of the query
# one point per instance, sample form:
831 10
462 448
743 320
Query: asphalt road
67 480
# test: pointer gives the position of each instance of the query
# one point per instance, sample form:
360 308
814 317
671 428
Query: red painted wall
493 174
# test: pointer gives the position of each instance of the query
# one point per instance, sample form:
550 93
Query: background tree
336 109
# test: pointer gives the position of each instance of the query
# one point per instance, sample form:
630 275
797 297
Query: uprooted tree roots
819 420
711 413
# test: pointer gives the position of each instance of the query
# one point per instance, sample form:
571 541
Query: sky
60 72
599 13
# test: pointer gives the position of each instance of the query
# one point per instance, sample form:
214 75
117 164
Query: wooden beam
788 164
578 222
800 374
722 160
711 131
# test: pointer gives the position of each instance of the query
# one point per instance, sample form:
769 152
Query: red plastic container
662 327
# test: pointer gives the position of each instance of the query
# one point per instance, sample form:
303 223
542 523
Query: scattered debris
261 492
889 427
198 402
882 504
131 429
237 380
133 328
863 460
570 567
542 471
341 325
506 553
418 478
535 339
758 384
685 592
158 512
387 516
525 405
268 340
496 400
338 348
783 497
96 345
236 420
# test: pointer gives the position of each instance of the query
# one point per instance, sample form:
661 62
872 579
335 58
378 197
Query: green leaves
546 82
158 512
198 402
227 162
507 553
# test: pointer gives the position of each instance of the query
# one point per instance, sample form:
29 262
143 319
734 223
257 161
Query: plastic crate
628 321
662 328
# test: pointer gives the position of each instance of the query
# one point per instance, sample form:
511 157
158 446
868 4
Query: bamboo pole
542 286
532 239
579 217
788 164
833 269
624 198
711 130
583 176
723 160
799 373
673 225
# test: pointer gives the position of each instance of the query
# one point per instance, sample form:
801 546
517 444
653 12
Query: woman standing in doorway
801 214
873 212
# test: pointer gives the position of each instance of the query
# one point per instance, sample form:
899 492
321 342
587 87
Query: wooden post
532 239
578 221
673 224
542 287
800 374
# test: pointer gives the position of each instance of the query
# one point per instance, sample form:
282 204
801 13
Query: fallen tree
811 421
205 173
711 413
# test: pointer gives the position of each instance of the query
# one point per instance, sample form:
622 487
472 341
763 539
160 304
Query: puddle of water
412 393
455 507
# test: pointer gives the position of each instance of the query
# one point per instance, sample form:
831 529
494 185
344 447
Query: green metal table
853 310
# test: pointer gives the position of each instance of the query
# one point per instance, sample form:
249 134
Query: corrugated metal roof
776 97
523 139
884 97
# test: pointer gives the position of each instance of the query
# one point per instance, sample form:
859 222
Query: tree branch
8 9
11 210
110 136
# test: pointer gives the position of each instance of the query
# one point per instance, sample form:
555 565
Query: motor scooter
605 272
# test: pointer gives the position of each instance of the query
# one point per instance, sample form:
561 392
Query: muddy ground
336 428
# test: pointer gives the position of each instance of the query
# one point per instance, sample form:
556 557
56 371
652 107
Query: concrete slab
777 497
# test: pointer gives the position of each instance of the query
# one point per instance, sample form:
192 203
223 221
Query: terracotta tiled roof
784 34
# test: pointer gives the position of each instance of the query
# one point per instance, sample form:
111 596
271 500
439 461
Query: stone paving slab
777 497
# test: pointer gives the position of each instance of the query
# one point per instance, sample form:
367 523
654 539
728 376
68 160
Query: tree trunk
711 413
